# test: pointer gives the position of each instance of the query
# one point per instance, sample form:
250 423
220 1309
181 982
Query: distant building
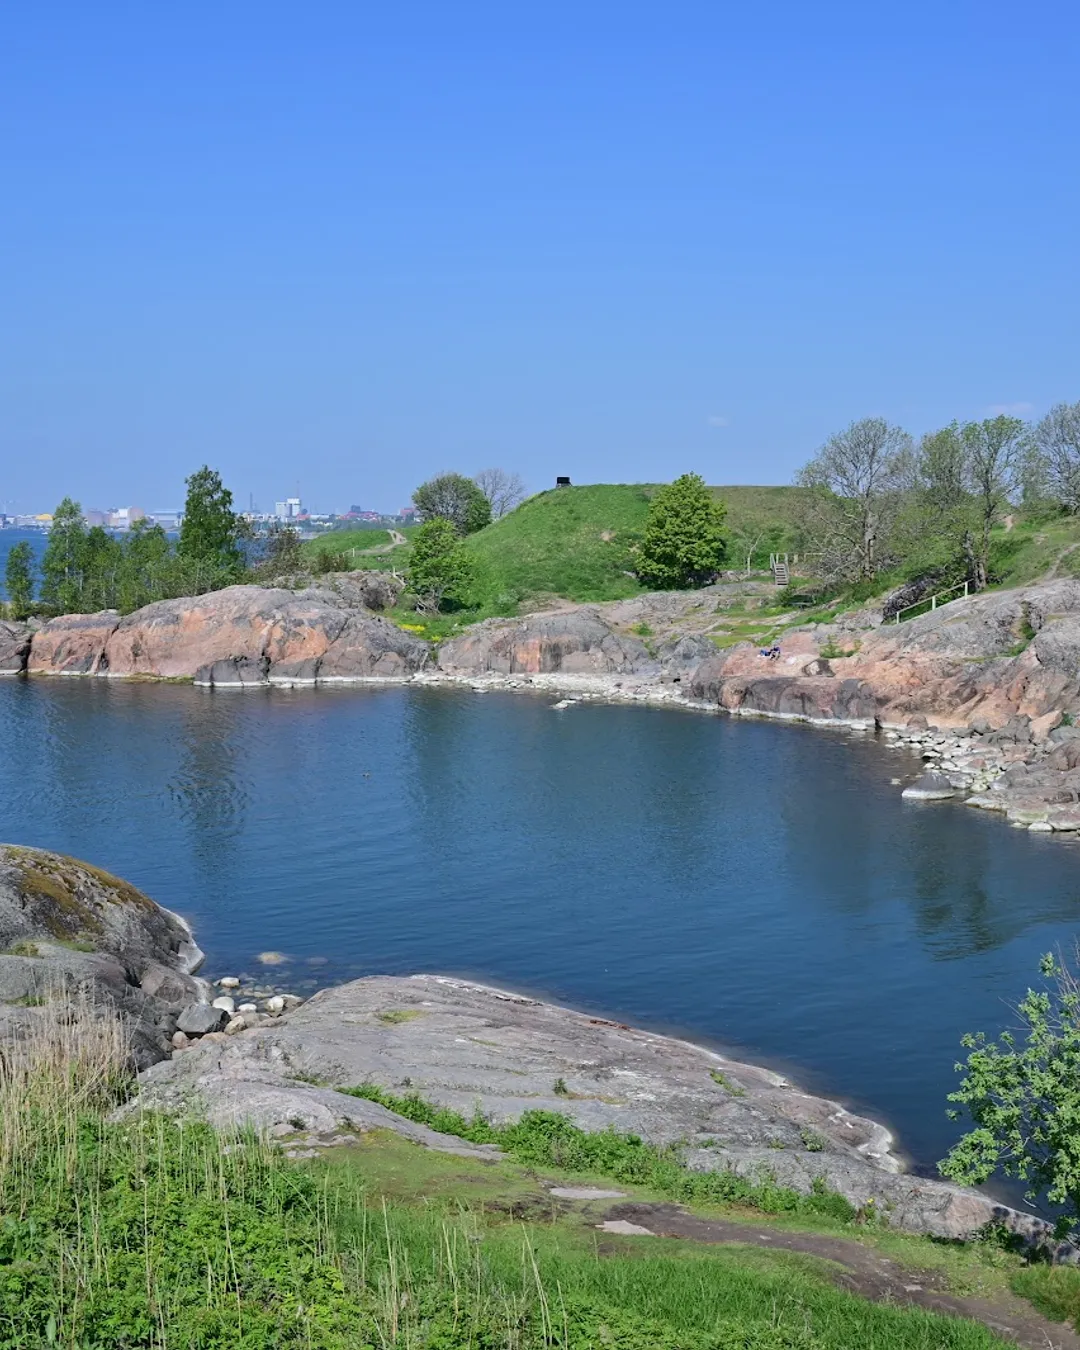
93 517
123 517
168 520
562 482
289 509
407 513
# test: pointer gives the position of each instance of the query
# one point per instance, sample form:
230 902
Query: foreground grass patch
547 1139
148 1234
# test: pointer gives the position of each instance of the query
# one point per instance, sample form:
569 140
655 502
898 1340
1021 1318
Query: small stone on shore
931 787
200 1019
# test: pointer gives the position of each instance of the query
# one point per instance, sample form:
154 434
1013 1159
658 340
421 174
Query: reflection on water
759 886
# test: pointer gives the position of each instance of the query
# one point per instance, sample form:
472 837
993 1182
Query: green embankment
342 541
577 542
572 542
154 1235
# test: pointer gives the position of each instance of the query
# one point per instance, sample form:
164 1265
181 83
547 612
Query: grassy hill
568 541
577 541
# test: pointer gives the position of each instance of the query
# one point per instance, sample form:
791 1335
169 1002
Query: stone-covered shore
986 688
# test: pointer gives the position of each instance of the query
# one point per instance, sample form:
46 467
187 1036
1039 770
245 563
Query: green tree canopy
441 573
456 498
210 531
62 565
684 542
19 579
279 552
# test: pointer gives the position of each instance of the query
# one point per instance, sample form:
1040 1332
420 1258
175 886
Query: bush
1022 1093
441 574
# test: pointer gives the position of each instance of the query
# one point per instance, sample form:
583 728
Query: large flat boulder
469 1047
568 642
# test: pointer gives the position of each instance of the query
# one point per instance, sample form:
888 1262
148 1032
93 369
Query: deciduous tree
1022 1093
279 553
856 479
684 542
456 498
62 564
995 451
503 490
441 573
19 579
1057 441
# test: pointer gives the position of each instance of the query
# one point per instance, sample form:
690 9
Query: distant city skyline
277 508
358 245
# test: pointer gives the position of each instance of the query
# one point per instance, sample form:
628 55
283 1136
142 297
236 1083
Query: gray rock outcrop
66 926
14 647
471 1048
569 642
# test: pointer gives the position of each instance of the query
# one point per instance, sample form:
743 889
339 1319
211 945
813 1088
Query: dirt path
863 1271
396 541
1053 570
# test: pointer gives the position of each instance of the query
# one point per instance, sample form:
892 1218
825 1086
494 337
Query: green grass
649 1294
150 1234
574 542
668 1286
394 1016
1054 1290
547 1139
1028 551
578 542
356 545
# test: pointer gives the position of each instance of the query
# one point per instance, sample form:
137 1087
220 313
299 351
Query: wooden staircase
778 562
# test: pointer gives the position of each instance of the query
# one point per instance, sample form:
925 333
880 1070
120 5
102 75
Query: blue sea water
755 886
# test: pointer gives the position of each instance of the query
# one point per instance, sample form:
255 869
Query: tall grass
149 1234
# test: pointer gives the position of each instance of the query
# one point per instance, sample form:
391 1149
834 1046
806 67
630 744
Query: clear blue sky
348 244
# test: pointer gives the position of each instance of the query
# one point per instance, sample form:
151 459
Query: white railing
938 599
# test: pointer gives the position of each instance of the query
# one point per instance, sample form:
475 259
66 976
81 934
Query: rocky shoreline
246 1057
985 688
